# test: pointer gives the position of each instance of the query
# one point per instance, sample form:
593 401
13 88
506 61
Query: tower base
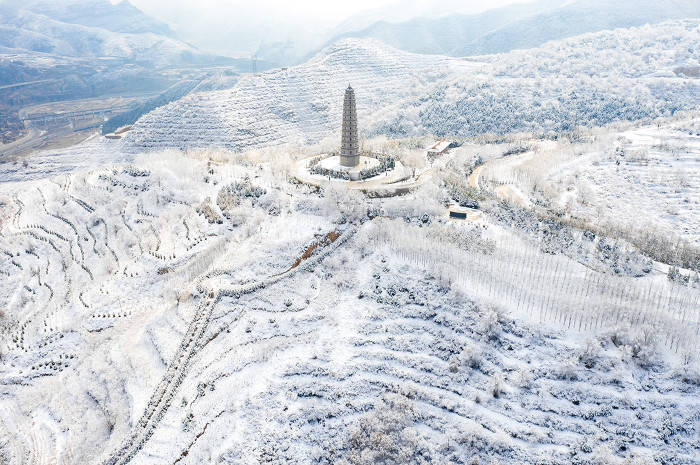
349 161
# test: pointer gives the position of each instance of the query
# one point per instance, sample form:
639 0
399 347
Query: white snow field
175 309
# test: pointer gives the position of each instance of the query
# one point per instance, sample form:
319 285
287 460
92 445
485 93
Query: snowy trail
474 177
192 341
506 190
161 398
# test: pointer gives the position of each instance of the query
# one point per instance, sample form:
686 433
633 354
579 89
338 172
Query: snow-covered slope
100 31
147 320
626 74
301 104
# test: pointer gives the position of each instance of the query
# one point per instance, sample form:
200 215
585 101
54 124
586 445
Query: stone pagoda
349 151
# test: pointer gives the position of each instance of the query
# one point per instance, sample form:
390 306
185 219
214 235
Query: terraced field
93 262
381 359
299 105
158 311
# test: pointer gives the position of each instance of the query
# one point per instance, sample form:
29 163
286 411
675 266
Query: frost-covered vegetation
589 80
204 306
640 184
310 325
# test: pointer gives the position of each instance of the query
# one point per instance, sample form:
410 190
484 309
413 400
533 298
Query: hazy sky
315 10
241 26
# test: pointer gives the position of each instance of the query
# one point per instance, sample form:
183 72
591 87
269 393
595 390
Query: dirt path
28 83
507 192
17 145
513 195
474 177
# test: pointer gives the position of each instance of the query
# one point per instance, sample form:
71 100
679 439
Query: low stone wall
315 168
386 163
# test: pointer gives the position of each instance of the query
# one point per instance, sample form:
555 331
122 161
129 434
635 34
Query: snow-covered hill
121 16
93 28
149 319
626 74
301 104
516 26
588 80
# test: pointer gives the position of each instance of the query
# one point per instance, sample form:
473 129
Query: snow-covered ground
589 80
641 178
202 306
153 314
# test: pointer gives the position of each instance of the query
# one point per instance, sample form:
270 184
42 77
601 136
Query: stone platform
333 163
396 181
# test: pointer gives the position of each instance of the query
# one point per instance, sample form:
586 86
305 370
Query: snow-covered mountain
625 74
121 16
92 28
70 50
521 26
300 104
210 306
578 17
402 26
588 80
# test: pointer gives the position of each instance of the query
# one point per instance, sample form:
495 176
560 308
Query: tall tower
349 153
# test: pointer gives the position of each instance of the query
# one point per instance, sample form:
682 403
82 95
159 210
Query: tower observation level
349 152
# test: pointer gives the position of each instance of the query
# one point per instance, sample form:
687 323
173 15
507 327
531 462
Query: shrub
490 325
388 435
524 377
497 385
471 356
590 353
208 212
640 343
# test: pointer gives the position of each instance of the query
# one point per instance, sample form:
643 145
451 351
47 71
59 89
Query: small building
458 212
438 149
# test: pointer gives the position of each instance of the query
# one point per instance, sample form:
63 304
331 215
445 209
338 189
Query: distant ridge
521 26
93 29
120 17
